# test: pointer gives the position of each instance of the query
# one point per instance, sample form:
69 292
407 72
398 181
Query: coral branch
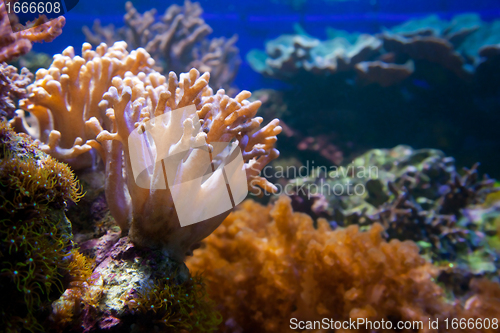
66 95
12 88
134 100
177 41
14 44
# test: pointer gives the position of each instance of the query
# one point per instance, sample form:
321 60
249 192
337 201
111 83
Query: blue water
436 107
255 22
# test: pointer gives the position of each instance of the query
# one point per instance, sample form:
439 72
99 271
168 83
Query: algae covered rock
135 290
36 249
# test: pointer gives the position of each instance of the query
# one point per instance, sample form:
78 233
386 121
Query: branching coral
428 200
12 88
406 220
266 265
66 95
36 248
416 195
97 100
177 41
14 44
223 119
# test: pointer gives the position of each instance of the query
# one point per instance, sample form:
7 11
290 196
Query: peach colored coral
66 95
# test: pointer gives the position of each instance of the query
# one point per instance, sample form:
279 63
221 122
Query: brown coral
428 48
266 265
383 73
177 41
14 44
386 59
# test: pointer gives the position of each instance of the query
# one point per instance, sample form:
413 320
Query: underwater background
368 137
428 110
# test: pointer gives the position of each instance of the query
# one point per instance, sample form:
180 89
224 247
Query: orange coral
14 44
266 265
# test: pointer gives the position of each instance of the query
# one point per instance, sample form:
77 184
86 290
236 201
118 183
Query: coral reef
434 41
36 249
438 71
415 194
97 100
389 58
289 55
177 41
265 265
12 88
467 33
18 41
420 243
